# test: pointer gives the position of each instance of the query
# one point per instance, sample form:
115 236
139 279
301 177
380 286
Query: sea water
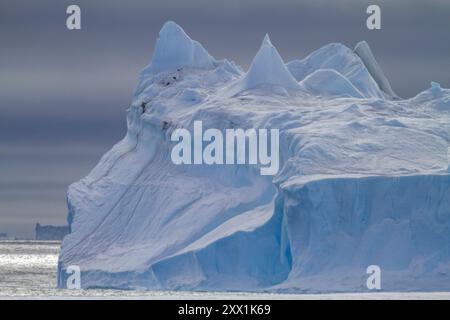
28 270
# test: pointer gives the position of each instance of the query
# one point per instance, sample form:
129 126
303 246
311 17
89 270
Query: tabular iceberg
363 180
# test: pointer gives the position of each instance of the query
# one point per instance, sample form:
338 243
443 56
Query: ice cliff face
363 180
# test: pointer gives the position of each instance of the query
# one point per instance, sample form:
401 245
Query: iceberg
50 232
363 180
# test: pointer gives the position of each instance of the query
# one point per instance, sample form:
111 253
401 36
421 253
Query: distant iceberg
50 232
363 180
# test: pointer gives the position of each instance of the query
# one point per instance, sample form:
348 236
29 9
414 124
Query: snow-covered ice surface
364 179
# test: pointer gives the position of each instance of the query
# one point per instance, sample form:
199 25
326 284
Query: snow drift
328 82
357 66
363 180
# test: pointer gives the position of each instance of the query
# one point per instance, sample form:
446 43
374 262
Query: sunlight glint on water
28 270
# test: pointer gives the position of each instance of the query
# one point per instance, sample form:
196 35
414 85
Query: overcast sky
63 93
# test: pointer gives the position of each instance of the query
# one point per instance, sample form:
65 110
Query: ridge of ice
338 57
329 82
363 50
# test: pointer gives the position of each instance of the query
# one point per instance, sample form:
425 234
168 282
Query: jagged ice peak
267 69
175 49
